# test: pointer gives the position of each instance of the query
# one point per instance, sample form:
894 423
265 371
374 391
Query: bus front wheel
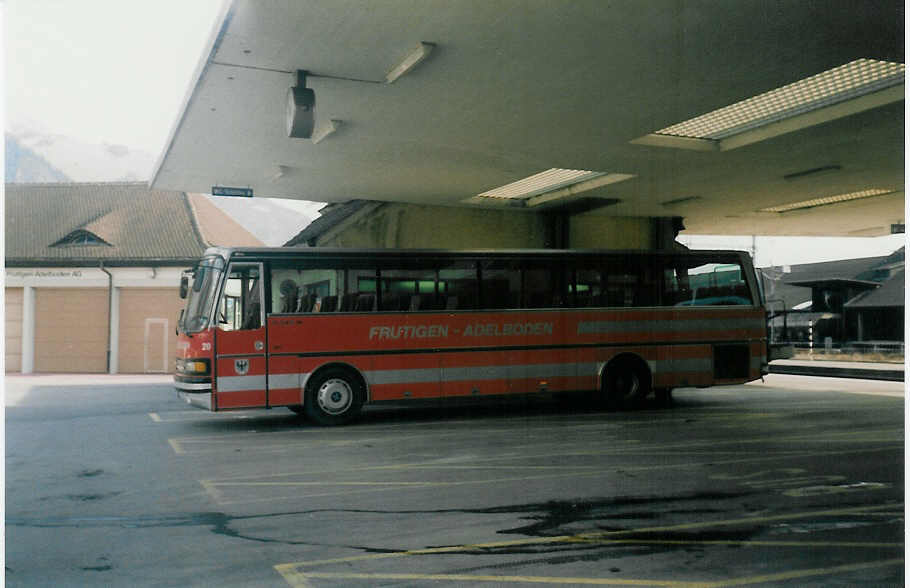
334 397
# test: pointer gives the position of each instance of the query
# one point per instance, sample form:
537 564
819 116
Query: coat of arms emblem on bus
241 366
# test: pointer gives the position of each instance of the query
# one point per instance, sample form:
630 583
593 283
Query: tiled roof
891 293
140 225
782 286
842 268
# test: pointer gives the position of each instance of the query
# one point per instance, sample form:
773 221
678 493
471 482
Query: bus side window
458 286
539 288
407 289
715 284
500 285
675 284
587 286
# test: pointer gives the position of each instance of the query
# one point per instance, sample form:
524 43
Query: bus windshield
201 295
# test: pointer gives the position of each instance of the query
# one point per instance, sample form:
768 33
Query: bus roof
344 252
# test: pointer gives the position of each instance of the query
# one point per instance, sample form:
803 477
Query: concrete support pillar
557 230
115 331
28 329
666 231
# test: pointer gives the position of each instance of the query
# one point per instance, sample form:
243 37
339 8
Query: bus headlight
196 367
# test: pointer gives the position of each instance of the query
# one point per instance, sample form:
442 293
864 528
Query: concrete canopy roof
516 87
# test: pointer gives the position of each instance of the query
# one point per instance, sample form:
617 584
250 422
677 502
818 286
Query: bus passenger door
240 340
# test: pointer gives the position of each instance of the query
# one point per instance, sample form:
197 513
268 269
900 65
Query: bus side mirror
184 286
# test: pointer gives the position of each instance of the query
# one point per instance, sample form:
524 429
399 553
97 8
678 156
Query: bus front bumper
194 391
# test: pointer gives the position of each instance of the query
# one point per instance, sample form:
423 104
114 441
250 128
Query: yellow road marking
755 543
591 537
154 416
894 435
294 579
793 574
387 486
351 434
299 578
175 445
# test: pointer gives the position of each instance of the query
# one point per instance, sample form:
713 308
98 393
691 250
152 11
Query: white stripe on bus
238 383
277 381
720 323
475 373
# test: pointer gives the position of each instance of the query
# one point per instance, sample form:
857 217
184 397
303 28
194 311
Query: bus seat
328 304
615 297
452 303
415 303
389 301
251 320
307 303
366 303
348 302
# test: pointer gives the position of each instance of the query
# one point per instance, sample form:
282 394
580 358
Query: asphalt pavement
794 481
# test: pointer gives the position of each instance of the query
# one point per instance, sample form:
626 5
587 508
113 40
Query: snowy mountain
78 160
34 155
24 165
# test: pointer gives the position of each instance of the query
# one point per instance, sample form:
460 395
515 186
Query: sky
112 71
116 72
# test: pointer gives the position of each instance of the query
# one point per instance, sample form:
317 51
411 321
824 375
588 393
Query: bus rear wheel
334 397
625 384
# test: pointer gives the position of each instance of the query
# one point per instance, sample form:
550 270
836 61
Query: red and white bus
325 331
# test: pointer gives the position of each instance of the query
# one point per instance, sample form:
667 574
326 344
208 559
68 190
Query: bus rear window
708 284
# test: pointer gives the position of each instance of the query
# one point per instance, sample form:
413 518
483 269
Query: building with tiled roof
852 301
93 271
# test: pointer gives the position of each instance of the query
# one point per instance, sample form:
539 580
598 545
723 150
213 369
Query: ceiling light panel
827 200
546 181
851 80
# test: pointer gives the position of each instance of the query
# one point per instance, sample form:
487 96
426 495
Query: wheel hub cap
334 396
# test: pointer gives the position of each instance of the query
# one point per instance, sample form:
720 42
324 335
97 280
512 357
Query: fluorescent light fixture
547 186
850 88
545 181
853 79
325 129
823 201
421 52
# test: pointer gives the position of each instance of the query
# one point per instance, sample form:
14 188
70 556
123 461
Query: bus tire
626 382
334 396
